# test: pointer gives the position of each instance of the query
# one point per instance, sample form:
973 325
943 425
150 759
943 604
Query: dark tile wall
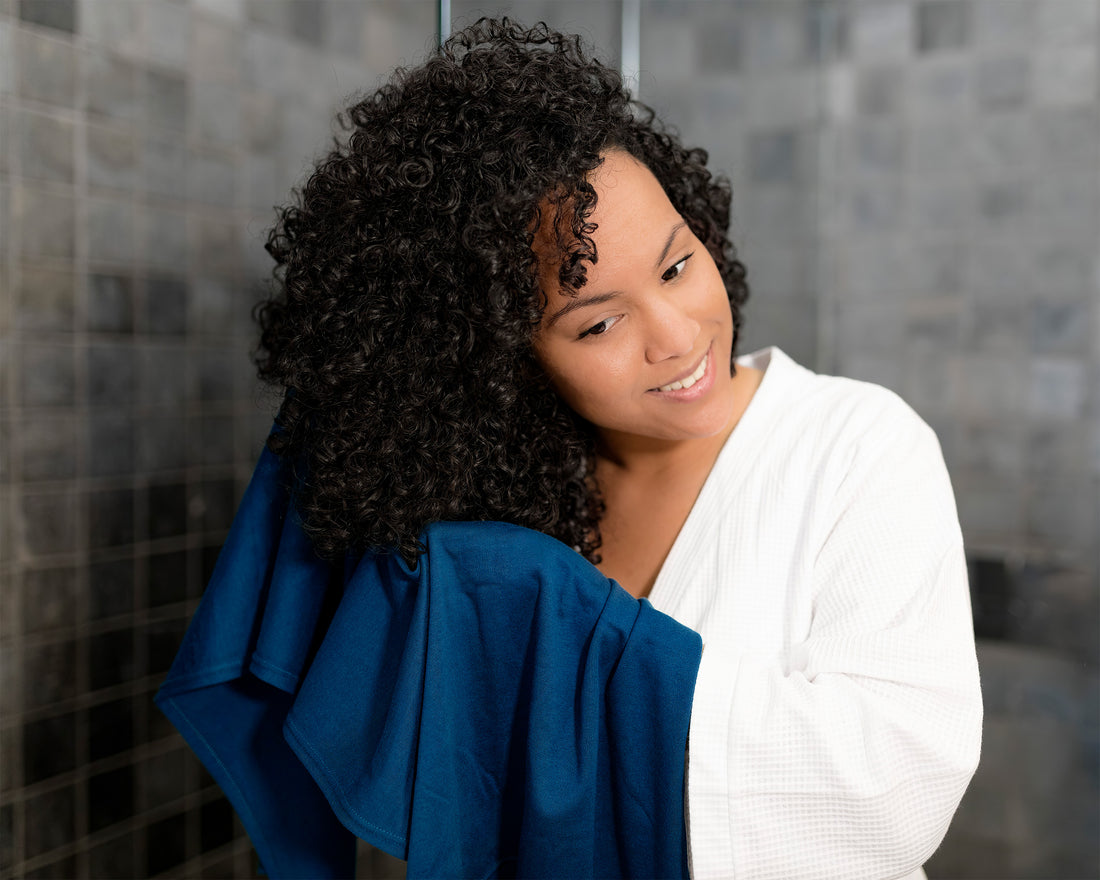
143 146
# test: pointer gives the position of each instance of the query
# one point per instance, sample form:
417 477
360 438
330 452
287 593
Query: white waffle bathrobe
837 713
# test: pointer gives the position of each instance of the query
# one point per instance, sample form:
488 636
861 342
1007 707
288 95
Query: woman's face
643 349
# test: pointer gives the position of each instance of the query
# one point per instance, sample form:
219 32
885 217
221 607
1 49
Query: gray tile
45 146
10 701
233 10
1004 140
1064 514
166 305
1065 266
1068 202
882 30
47 67
990 386
936 322
1005 22
164 376
47 222
871 327
112 157
165 99
7 249
112 86
263 120
110 230
774 156
162 442
1066 76
1058 449
1005 203
1061 328
110 517
7 59
45 299
168 32
941 145
213 443
211 178
111 452
216 113
1067 22
940 202
215 375
50 450
7 432
997 327
57 14
826 27
941 87
49 598
875 206
943 24
880 90
994 448
47 375
990 511
110 303
212 306
164 244
307 21
719 46
344 23
874 146
1003 82
110 378
1057 389
215 50
263 61
116 24
164 165
49 522
774 38
215 245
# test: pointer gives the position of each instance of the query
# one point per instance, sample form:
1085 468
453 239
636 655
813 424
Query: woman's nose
671 331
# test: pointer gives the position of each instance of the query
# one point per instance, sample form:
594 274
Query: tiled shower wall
143 144
917 197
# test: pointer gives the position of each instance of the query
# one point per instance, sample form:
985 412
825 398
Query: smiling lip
698 381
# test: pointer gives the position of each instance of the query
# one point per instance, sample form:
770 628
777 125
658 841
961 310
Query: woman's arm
848 756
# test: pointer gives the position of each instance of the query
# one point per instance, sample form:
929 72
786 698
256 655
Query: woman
510 296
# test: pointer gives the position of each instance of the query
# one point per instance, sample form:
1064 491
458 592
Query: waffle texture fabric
501 709
837 712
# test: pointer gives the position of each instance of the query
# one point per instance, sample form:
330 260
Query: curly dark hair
406 291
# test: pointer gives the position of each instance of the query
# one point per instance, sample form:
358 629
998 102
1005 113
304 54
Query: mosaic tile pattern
142 149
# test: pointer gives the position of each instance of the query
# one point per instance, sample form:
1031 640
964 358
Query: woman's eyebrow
668 242
579 302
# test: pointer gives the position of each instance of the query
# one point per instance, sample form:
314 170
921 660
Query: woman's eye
674 272
598 329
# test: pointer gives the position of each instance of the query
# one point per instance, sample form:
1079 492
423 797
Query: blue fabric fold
500 709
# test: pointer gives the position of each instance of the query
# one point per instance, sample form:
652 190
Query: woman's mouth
690 379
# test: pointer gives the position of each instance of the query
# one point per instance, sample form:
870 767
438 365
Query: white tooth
689 381
675 386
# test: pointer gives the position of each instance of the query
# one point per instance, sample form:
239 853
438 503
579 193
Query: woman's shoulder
808 424
811 403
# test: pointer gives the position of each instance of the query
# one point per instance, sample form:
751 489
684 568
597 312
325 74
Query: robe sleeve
858 743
